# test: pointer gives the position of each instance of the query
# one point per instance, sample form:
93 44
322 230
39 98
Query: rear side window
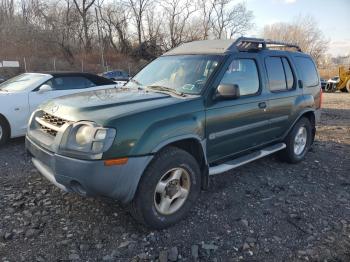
279 74
289 73
244 73
308 71
70 82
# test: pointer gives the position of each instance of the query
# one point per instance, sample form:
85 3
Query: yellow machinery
344 81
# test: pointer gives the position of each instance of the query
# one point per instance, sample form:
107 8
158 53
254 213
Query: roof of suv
230 45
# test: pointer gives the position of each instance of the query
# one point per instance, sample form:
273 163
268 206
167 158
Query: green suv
201 109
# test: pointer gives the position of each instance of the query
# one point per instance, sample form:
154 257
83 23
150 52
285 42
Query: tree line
130 30
140 28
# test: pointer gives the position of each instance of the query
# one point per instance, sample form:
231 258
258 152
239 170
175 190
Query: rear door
285 93
238 124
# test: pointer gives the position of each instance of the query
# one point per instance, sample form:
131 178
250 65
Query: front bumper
89 177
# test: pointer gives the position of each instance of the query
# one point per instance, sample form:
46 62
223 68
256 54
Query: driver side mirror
227 91
44 88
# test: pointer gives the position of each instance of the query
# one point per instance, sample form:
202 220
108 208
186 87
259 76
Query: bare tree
177 15
83 7
115 19
230 22
303 31
206 8
7 9
139 8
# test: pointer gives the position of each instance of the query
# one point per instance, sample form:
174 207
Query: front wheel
168 189
4 131
298 142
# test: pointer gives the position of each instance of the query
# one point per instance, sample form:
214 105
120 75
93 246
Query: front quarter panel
145 133
14 107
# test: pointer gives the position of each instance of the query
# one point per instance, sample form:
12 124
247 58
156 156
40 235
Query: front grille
53 120
48 130
50 124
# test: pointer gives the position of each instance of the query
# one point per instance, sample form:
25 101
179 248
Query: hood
7 93
101 105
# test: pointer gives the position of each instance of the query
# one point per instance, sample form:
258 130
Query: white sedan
21 95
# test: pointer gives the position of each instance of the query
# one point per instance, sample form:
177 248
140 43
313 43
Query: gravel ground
264 211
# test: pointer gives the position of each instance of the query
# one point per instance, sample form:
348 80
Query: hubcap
300 141
172 191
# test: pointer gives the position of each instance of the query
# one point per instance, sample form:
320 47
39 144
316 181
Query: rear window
308 71
70 82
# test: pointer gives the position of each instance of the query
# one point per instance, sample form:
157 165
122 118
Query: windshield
182 73
22 82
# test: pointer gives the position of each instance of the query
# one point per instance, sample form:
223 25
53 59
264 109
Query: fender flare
203 144
300 115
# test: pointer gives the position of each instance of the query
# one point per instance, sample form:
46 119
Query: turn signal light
116 162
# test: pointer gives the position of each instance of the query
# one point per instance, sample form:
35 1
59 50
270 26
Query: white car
21 95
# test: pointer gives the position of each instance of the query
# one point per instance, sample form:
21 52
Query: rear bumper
89 177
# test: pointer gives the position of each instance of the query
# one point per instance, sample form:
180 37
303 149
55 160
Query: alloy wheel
300 141
172 191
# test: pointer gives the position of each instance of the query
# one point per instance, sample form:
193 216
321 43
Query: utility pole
100 41
25 64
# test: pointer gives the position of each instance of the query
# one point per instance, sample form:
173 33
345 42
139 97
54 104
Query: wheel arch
194 146
310 115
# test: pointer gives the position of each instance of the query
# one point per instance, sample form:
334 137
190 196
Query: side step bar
246 159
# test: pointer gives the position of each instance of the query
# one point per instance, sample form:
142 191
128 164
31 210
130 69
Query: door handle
262 105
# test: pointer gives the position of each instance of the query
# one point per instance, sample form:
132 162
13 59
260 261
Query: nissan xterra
201 109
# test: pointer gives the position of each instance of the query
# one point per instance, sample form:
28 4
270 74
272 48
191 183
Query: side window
275 73
308 71
244 73
71 82
289 73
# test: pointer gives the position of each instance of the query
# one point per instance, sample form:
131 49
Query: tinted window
244 73
289 74
275 73
70 82
308 71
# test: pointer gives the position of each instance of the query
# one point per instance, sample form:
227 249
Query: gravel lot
264 211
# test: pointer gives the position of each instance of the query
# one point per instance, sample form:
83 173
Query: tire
295 153
147 208
4 131
329 88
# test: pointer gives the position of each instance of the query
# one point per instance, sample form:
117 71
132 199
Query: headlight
84 135
87 140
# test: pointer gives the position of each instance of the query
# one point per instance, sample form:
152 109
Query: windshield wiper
166 89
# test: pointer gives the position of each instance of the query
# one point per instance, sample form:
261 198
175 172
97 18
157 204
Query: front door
238 124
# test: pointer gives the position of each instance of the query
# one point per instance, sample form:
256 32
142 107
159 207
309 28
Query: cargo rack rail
247 44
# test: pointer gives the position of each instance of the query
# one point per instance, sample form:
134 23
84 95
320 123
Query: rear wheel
168 189
298 142
4 131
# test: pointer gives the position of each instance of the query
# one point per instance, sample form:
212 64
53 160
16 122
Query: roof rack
246 44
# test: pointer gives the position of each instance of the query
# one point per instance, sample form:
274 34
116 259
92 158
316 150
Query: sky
332 16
